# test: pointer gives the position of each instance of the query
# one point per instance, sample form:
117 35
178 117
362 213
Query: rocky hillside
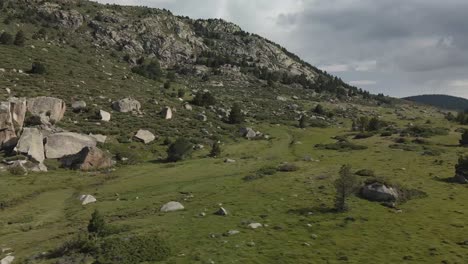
188 46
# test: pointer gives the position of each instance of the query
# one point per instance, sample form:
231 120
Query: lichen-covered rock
126 105
18 110
64 144
48 109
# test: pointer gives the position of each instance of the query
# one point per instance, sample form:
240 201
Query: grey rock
78 106
171 207
48 109
126 105
379 192
31 143
105 116
7 130
248 132
64 144
222 212
87 199
88 159
145 136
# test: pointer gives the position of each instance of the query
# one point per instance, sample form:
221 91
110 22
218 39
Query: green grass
426 231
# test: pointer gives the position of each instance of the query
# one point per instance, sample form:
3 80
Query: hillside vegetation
234 150
441 101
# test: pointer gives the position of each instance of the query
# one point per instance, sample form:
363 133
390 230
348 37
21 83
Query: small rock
222 212
255 225
171 207
87 199
232 232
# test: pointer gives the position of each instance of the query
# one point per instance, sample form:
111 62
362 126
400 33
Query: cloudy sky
397 47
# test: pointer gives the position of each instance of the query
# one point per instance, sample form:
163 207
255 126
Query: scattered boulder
281 98
126 105
232 232
105 116
254 225
248 132
229 161
64 144
222 212
87 199
167 113
172 207
379 192
78 106
202 117
88 159
7 129
145 136
188 107
99 138
31 143
49 109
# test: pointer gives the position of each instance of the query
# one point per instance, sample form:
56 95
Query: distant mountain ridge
441 100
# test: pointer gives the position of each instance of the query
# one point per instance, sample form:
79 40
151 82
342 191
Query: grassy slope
427 230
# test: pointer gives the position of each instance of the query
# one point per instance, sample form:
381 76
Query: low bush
288 167
341 146
261 173
363 135
426 131
365 173
179 150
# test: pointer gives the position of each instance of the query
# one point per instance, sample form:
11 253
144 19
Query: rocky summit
131 135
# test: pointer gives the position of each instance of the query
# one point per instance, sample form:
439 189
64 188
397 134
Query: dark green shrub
133 250
261 173
37 68
236 116
167 85
365 173
426 131
386 134
17 170
303 122
363 135
318 123
464 139
319 110
341 146
181 93
97 225
6 38
215 150
204 99
288 167
179 150
151 70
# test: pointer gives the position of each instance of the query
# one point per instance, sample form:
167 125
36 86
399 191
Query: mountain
441 101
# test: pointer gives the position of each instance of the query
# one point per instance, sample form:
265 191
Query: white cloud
459 83
335 68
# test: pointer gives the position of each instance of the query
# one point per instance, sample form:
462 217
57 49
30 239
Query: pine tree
20 38
303 122
6 38
236 116
345 186
215 150
97 225
464 139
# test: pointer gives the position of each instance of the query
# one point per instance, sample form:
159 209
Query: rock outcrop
167 113
64 144
31 143
7 129
50 110
88 159
18 110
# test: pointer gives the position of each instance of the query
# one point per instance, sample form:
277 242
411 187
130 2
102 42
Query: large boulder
88 159
7 129
48 109
87 199
31 143
126 105
99 138
18 110
172 207
145 136
379 192
64 144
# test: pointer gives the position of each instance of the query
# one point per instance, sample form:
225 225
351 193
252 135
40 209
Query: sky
396 47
